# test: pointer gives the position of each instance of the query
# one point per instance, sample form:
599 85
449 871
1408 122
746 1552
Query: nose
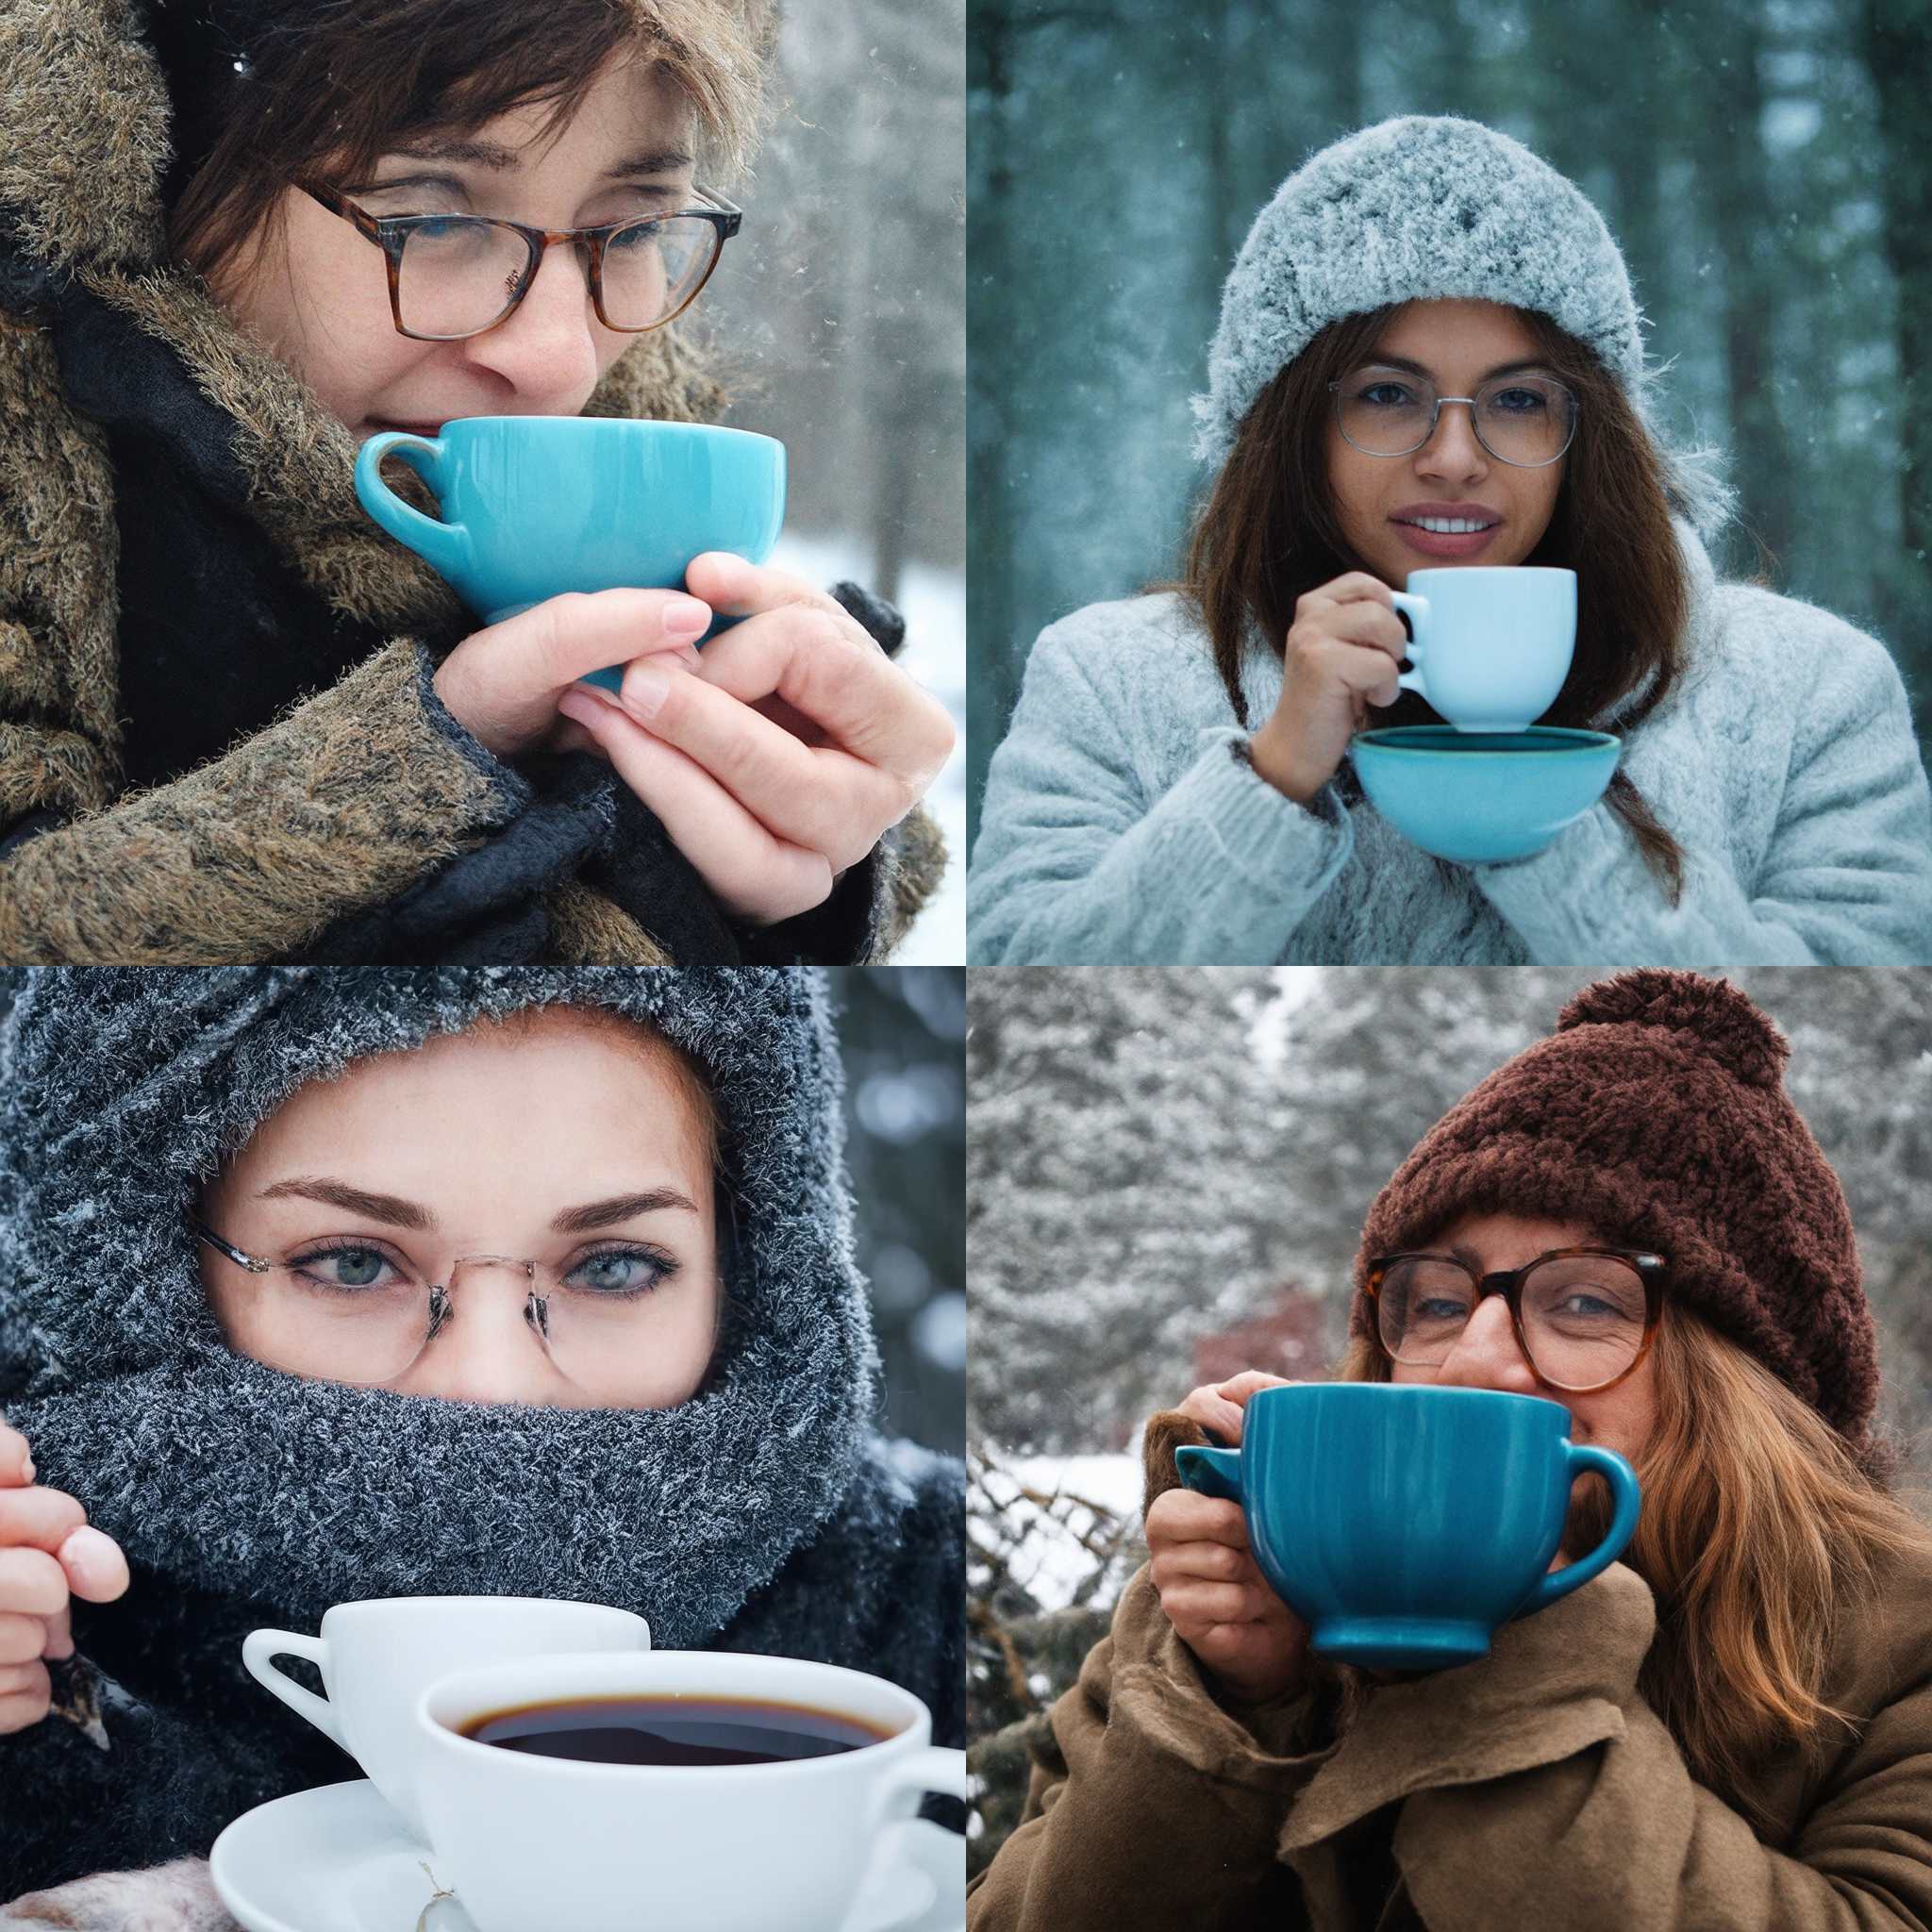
1452 450
486 1350
1487 1354
546 348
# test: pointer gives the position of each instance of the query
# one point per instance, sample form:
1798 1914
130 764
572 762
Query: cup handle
443 546
1622 1480
1418 612
260 1647
1213 1472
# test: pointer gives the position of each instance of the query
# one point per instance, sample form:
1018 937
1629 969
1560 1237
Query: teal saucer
1477 797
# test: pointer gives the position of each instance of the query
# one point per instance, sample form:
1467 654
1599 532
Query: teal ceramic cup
1404 1523
535 506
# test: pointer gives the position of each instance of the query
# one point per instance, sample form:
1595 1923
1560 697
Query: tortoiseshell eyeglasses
453 275
1584 1317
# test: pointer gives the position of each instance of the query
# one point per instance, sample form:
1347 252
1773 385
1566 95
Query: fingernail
88 1550
27 1470
60 1647
686 618
644 691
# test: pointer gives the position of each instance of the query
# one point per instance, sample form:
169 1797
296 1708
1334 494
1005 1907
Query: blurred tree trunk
1897 44
1729 150
993 662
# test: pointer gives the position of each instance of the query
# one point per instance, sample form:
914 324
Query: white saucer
338 1860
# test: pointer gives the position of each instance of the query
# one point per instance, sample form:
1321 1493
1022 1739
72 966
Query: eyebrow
493 155
1382 357
396 1212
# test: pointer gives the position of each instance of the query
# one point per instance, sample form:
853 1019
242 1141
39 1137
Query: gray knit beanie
1422 208
120 1093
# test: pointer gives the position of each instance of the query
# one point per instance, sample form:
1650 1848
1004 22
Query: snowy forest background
1766 166
1153 1156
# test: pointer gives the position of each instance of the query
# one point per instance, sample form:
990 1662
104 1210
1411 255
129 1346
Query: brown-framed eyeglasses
1584 1317
456 275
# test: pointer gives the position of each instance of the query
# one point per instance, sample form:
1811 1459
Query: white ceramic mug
377 1657
1492 645
530 1843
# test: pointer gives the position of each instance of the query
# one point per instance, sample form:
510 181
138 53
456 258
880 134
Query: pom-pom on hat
1657 1115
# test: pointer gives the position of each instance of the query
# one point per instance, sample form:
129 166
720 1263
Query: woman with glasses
1430 357
238 722
320 1286
1732 1726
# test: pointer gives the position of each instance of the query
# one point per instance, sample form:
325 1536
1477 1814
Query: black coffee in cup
674 1730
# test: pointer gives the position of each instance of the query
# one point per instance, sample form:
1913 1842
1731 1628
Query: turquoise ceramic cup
1479 797
1404 1523
535 505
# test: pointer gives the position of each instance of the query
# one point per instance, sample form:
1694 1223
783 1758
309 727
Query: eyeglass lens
358 1317
1583 1315
1525 420
459 275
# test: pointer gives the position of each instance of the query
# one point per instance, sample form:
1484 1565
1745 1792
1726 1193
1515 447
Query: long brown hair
1268 532
348 80
1761 1536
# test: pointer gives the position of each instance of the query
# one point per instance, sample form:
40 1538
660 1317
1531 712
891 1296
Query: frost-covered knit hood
1422 208
121 1091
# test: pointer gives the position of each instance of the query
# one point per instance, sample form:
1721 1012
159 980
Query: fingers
26 1694
1218 1414
32 1583
58 1633
754 873
821 665
564 637
1352 587
820 798
23 1637
16 1459
40 1518
1180 1517
1250 1382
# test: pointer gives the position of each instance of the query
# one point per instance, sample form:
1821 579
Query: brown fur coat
251 855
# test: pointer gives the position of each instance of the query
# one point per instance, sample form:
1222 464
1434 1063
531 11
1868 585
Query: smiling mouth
1449 527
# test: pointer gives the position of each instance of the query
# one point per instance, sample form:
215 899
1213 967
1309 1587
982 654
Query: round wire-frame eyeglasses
390 233
1474 423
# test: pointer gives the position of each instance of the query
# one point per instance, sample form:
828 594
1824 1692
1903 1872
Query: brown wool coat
252 854
1535 1788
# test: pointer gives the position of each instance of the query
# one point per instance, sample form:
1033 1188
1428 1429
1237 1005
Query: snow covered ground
1045 1555
934 602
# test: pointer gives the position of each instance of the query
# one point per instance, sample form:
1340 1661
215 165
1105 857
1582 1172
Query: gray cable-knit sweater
1118 829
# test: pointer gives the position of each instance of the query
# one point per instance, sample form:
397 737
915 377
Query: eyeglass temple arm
254 1263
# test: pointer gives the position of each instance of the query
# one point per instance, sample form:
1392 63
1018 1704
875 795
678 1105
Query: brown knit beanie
1656 1115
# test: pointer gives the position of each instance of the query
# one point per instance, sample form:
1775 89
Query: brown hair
1761 1536
327 97
1268 532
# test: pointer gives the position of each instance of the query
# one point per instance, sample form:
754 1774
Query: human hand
48 1553
1342 655
1210 1588
502 684
778 758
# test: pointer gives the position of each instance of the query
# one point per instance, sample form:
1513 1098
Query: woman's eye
346 1268
1389 396
1520 401
619 1271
